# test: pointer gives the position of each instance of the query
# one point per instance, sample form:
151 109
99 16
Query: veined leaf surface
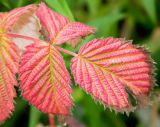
59 28
44 79
8 19
2 15
106 67
9 60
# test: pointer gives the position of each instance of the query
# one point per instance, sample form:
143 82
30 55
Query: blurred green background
136 20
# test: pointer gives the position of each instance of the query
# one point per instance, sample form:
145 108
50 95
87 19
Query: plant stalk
66 51
23 37
51 120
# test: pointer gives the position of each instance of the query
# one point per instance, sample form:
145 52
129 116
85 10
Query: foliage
79 64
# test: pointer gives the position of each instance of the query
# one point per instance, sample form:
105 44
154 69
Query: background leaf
150 7
61 7
34 116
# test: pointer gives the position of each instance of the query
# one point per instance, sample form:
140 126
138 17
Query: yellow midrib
58 34
1 77
51 69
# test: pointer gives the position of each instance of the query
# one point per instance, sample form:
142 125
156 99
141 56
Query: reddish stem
51 120
37 40
66 51
22 36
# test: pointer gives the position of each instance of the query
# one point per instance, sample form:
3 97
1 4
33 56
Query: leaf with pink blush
2 14
105 68
74 42
59 28
44 79
11 17
9 62
6 105
27 25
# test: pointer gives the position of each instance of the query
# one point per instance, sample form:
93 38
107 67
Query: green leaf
18 113
34 116
6 3
21 3
105 24
60 6
93 5
150 8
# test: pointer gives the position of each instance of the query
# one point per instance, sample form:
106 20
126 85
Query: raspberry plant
105 68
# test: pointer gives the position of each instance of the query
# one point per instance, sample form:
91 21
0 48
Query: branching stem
66 51
37 40
23 37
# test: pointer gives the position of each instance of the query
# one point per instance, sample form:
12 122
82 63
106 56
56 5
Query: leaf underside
106 67
44 79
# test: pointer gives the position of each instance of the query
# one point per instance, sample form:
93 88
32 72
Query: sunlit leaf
44 79
106 67
11 17
2 15
60 29
27 25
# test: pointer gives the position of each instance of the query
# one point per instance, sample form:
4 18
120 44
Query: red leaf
10 18
2 15
44 79
9 62
9 59
105 67
6 105
60 29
